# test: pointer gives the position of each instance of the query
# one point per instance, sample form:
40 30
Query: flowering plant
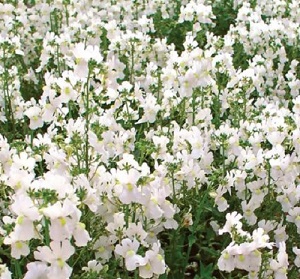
149 139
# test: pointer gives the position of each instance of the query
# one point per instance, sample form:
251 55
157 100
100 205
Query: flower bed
149 139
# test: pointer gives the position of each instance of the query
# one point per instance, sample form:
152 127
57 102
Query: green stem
173 187
31 138
70 110
193 108
202 99
57 59
87 124
244 107
78 257
132 63
17 267
126 215
136 274
223 160
128 113
159 87
125 270
47 235
269 179
7 98
183 113
67 15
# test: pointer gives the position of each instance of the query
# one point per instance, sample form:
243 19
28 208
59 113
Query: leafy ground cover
149 139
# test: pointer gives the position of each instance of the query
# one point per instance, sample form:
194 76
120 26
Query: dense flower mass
149 139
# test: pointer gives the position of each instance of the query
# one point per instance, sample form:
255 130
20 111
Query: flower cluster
127 127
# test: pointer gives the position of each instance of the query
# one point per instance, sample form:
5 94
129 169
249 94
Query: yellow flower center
129 187
226 256
248 212
19 245
130 253
18 185
20 220
67 90
81 225
60 262
241 258
101 249
154 200
148 266
159 257
62 221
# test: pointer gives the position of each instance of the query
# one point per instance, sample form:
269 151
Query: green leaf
192 240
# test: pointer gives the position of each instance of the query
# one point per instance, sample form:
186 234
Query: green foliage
193 249
225 16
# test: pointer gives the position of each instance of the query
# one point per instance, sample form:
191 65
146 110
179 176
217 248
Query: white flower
83 55
220 201
294 217
67 92
54 181
22 161
150 106
127 249
103 248
117 224
136 231
81 235
19 180
297 259
65 222
56 255
248 209
127 189
18 247
260 240
4 272
280 266
267 225
93 266
155 263
34 114
232 221
36 270
226 261
280 234
27 214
